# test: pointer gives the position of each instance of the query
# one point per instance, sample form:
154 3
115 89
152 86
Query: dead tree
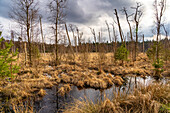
119 26
158 14
42 36
124 10
99 38
108 29
114 37
72 51
12 39
143 43
166 43
56 17
22 12
19 46
69 39
166 36
20 41
74 37
80 36
95 40
137 17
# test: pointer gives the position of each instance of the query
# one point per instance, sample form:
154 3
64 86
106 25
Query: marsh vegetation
72 75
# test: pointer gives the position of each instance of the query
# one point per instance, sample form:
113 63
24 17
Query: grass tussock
91 79
41 93
154 98
26 107
31 81
23 88
83 106
64 89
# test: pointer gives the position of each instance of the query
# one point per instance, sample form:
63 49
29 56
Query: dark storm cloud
75 13
119 4
84 11
114 4
78 11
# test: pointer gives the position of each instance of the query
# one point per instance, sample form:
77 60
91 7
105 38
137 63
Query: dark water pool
52 103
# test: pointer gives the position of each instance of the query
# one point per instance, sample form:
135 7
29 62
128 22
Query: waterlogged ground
41 81
52 103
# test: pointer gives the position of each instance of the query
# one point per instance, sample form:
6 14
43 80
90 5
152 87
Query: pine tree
6 59
121 53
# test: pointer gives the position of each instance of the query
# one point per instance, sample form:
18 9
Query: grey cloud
85 11
119 4
78 11
4 8
75 13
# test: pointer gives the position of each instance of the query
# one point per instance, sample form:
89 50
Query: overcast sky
92 13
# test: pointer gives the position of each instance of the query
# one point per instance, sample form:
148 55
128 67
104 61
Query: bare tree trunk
138 14
28 36
108 29
79 36
114 38
24 12
19 45
25 49
79 40
12 39
166 43
99 38
69 40
143 44
158 15
74 37
56 43
56 34
136 43
42 35
20 42
120 30
95 40
75 40
130 29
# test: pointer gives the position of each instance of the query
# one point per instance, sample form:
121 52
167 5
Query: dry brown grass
64 89
41 93
91 79
26 107
31 81
143 100
80 84
26 86
86 107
